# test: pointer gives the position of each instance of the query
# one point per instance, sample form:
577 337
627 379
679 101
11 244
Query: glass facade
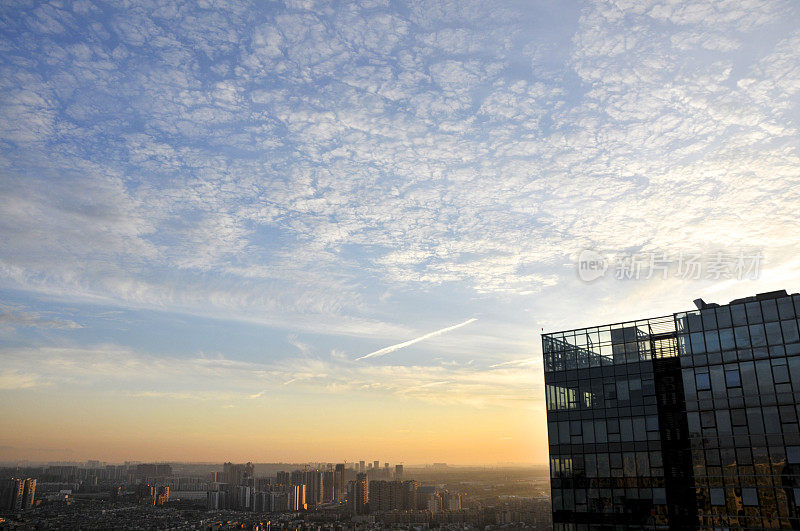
683 421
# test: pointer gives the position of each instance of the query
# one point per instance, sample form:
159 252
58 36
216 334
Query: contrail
404 344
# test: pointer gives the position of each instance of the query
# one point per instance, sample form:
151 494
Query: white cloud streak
404 344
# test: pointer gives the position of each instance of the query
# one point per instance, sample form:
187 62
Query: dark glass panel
603 467
790 334
600 431
709 318
774 336
588 432
754 421
757 336
742 337
712 341
698 346
750 497
770 310
737 314
718 381
793 455
563 432
771 419
733 378
622 390
764 371
639 431
591 465
552 432
754 312
726 339
723 316
748 376
788 414
794 368
626 429
723 422
780 374
785 308
744 456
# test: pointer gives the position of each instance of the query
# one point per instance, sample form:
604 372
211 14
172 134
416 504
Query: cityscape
685 421
355 265
373 495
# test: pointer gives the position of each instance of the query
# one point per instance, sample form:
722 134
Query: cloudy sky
334 230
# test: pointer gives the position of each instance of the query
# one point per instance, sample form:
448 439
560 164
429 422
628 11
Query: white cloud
114 369
404 344
284 167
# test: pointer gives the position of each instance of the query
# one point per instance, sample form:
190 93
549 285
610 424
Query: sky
317 231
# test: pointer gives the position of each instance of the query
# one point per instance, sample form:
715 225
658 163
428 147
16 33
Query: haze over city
312 231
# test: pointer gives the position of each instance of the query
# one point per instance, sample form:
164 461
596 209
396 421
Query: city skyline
297 231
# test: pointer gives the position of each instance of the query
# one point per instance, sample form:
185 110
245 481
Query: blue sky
228 204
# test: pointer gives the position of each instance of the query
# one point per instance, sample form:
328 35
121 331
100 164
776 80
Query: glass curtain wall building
683 421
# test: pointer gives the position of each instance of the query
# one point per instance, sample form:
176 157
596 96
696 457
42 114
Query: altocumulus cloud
298 165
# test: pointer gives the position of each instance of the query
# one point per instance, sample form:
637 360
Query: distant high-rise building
381 496
376 465
297 498
153 470
11 493
315 485
151 494
238 474
283 478
241 497
28 493
398 472
451 501
216 497
279 501
298 477
361 494
327 486
428 498
339 483
392 495
687 421
262 502
362 466
263 484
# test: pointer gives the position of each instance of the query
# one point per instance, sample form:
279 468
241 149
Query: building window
780 373
717 496
738 417
749 497
793 455
788 414
703 381
732 378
